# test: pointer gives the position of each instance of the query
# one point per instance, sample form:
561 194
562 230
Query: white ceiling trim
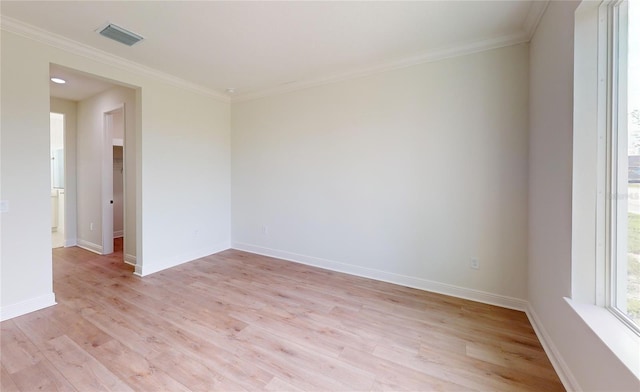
536 10
430 56
35 33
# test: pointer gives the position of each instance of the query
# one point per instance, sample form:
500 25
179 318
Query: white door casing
107 179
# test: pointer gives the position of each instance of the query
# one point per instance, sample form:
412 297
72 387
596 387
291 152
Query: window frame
612 175
587 295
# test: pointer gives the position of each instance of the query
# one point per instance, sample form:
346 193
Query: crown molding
40 35
536 10
426 57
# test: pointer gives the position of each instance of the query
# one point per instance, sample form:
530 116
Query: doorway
57 179
99 114
113 227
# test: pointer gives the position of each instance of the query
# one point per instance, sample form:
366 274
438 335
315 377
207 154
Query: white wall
118 124
69 109
402 176
25 262
589 362
188 192
90 151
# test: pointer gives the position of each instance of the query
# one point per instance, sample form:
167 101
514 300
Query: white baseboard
159 264
403 280
130 259
118 234
559 365
28 306
90 246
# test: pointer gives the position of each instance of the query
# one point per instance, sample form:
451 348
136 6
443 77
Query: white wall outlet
91 226
265 230
4 205
475 263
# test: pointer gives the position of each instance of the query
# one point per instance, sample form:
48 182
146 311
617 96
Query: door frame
107 179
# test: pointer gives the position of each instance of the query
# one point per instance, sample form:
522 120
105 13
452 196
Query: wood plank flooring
236 321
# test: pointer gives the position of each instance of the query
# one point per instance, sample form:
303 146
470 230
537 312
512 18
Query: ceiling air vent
121 35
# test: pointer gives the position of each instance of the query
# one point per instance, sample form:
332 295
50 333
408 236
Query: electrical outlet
4 205
265 230
475 263
91 226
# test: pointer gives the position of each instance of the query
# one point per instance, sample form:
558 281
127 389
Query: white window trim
590 284
615 95
622 342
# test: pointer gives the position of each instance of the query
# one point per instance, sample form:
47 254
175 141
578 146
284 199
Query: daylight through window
625 177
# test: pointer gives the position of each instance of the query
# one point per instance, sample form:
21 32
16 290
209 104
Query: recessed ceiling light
231 90
58 80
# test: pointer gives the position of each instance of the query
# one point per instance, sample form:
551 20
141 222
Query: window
605 203
620 71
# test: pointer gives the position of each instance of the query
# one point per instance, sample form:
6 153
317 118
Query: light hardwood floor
237 321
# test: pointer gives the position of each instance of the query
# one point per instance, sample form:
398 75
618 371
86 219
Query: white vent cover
121 35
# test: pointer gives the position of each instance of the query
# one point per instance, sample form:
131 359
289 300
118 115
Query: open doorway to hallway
101 179
57 180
